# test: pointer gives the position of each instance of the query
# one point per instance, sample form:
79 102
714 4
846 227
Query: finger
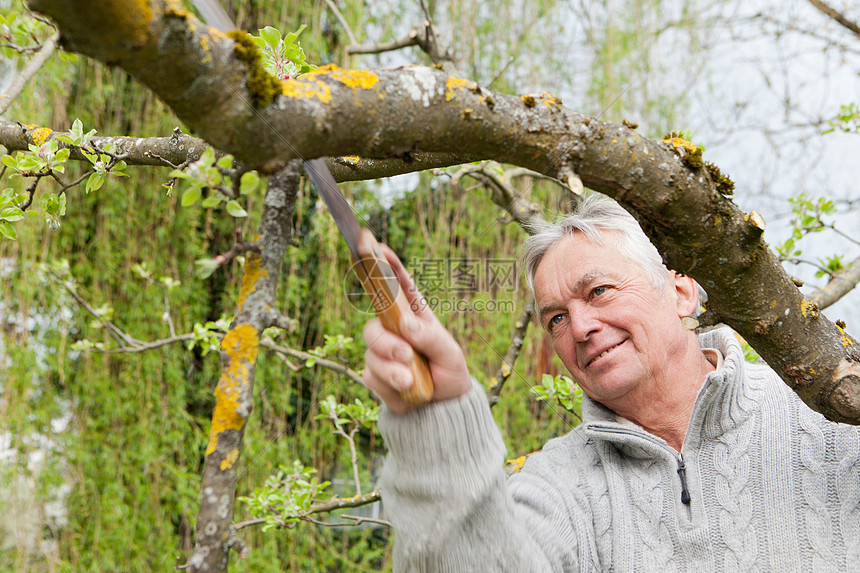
390 373
416 300
386 344
383 389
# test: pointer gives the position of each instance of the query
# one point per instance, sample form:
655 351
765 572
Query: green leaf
11 214
235 209
271 36
249 182
94 182
212 201
191 195
8 231
9 161
205 267
225 162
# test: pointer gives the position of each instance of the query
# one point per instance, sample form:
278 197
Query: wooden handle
391 305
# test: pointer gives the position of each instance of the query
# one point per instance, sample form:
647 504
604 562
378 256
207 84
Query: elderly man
688 458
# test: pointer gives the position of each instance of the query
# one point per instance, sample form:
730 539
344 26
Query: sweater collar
717 406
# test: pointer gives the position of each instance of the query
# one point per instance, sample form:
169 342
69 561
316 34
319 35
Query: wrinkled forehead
581 258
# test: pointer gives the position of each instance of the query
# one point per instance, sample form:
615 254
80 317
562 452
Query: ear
686 294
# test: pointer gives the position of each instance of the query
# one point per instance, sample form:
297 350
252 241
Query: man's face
612 329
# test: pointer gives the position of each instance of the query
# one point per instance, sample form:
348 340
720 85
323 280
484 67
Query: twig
144 346
301 355
356 521
502 194
350 438
333 7
411 39
33 66
838 17
504 372
841 283
117 333
324 506
359 520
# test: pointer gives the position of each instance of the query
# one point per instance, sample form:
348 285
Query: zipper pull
682 473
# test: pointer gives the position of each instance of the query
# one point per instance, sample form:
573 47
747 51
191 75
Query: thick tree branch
238 362
33 66
201 75
180 149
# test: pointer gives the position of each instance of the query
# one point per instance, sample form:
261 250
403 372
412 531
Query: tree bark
254 313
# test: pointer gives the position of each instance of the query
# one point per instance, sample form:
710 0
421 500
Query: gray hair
596 214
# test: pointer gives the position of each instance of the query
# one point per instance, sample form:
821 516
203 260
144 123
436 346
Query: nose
584 321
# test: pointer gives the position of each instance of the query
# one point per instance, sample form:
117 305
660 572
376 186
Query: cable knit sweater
772 486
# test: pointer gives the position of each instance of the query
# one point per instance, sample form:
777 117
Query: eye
556 319
597 291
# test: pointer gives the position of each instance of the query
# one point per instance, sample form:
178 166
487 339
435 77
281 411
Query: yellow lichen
808 309
229 459
494 382
207 49
351 159
240 345
690 154
41 135
843 337
528 100
454 85
301 88
549 100
363 79
506 370
175 8
253 274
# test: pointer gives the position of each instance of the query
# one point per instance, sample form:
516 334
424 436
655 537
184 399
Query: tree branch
410 39
238 363
836 16
326 506
842 282
503 194
33 66
333 7
507 367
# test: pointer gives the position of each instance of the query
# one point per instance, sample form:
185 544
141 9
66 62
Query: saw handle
391 305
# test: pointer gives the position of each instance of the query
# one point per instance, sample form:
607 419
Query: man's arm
443 484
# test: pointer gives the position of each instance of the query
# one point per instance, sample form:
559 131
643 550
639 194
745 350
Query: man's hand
386 371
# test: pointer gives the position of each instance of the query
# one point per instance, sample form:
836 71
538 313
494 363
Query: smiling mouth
602 354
